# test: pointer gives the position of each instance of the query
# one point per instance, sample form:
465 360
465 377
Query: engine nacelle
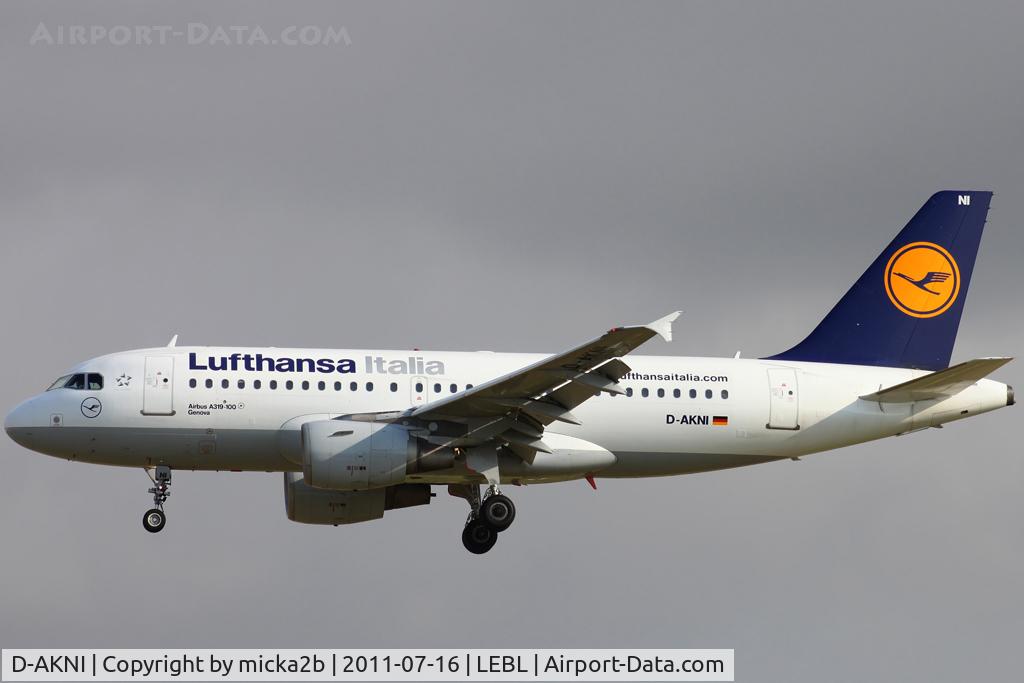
346 455
308 505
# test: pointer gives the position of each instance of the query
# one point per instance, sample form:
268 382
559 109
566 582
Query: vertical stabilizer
905 309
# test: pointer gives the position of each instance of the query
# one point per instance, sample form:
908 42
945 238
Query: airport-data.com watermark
191 34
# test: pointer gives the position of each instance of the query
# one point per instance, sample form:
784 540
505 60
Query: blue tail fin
905 309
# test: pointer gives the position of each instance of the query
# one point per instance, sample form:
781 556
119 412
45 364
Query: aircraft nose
19 423
12 420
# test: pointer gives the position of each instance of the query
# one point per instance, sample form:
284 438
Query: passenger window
708 393
192 383
644 392
224 384
394 386
241 384
725 393
305 385
437 388
369 386
661 393
353 386
676 393
273 384
468 387
76 382
289 385
693 393
337 386
95 381
454 388
256 384
629 391
419 387
209 384
321 386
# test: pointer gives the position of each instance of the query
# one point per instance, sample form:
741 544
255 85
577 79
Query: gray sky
476 175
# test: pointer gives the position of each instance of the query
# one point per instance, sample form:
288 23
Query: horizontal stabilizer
941 384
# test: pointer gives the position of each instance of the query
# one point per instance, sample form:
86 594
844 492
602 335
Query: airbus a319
357 433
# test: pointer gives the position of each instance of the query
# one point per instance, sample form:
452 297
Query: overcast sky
514 177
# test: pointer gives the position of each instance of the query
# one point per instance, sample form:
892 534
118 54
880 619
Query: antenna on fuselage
173 342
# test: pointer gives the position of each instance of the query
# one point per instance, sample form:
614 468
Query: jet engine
308 505
349 455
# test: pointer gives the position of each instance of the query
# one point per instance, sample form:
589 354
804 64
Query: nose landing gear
486 519
155 519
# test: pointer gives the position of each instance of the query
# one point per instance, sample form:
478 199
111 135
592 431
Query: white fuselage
200 408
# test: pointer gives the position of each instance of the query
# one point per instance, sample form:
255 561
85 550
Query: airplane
361 432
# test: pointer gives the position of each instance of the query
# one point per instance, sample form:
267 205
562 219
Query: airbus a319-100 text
358 433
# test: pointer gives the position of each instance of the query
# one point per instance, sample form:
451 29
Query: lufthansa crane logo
922 279
91 407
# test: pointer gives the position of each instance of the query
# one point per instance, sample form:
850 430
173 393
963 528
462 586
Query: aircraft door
158 386
418 391
784 399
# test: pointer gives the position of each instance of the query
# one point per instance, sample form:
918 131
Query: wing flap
940 384
549 374
511 411
544 411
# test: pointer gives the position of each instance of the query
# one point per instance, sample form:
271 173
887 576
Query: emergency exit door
158 386
784 399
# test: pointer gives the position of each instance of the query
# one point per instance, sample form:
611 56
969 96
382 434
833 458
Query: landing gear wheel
154 520
498 512
478 537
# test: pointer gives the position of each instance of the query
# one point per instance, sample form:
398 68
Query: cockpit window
80 380
59 383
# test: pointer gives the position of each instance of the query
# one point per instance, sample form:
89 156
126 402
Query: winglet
173 342
663 326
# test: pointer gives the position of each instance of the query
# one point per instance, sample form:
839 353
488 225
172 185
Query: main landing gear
155 519
486 519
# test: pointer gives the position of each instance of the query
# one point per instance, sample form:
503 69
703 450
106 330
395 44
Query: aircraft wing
941 384
514 409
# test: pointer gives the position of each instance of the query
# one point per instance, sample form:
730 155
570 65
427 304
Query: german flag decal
720 420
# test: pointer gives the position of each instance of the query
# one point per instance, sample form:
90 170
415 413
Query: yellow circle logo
922 279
